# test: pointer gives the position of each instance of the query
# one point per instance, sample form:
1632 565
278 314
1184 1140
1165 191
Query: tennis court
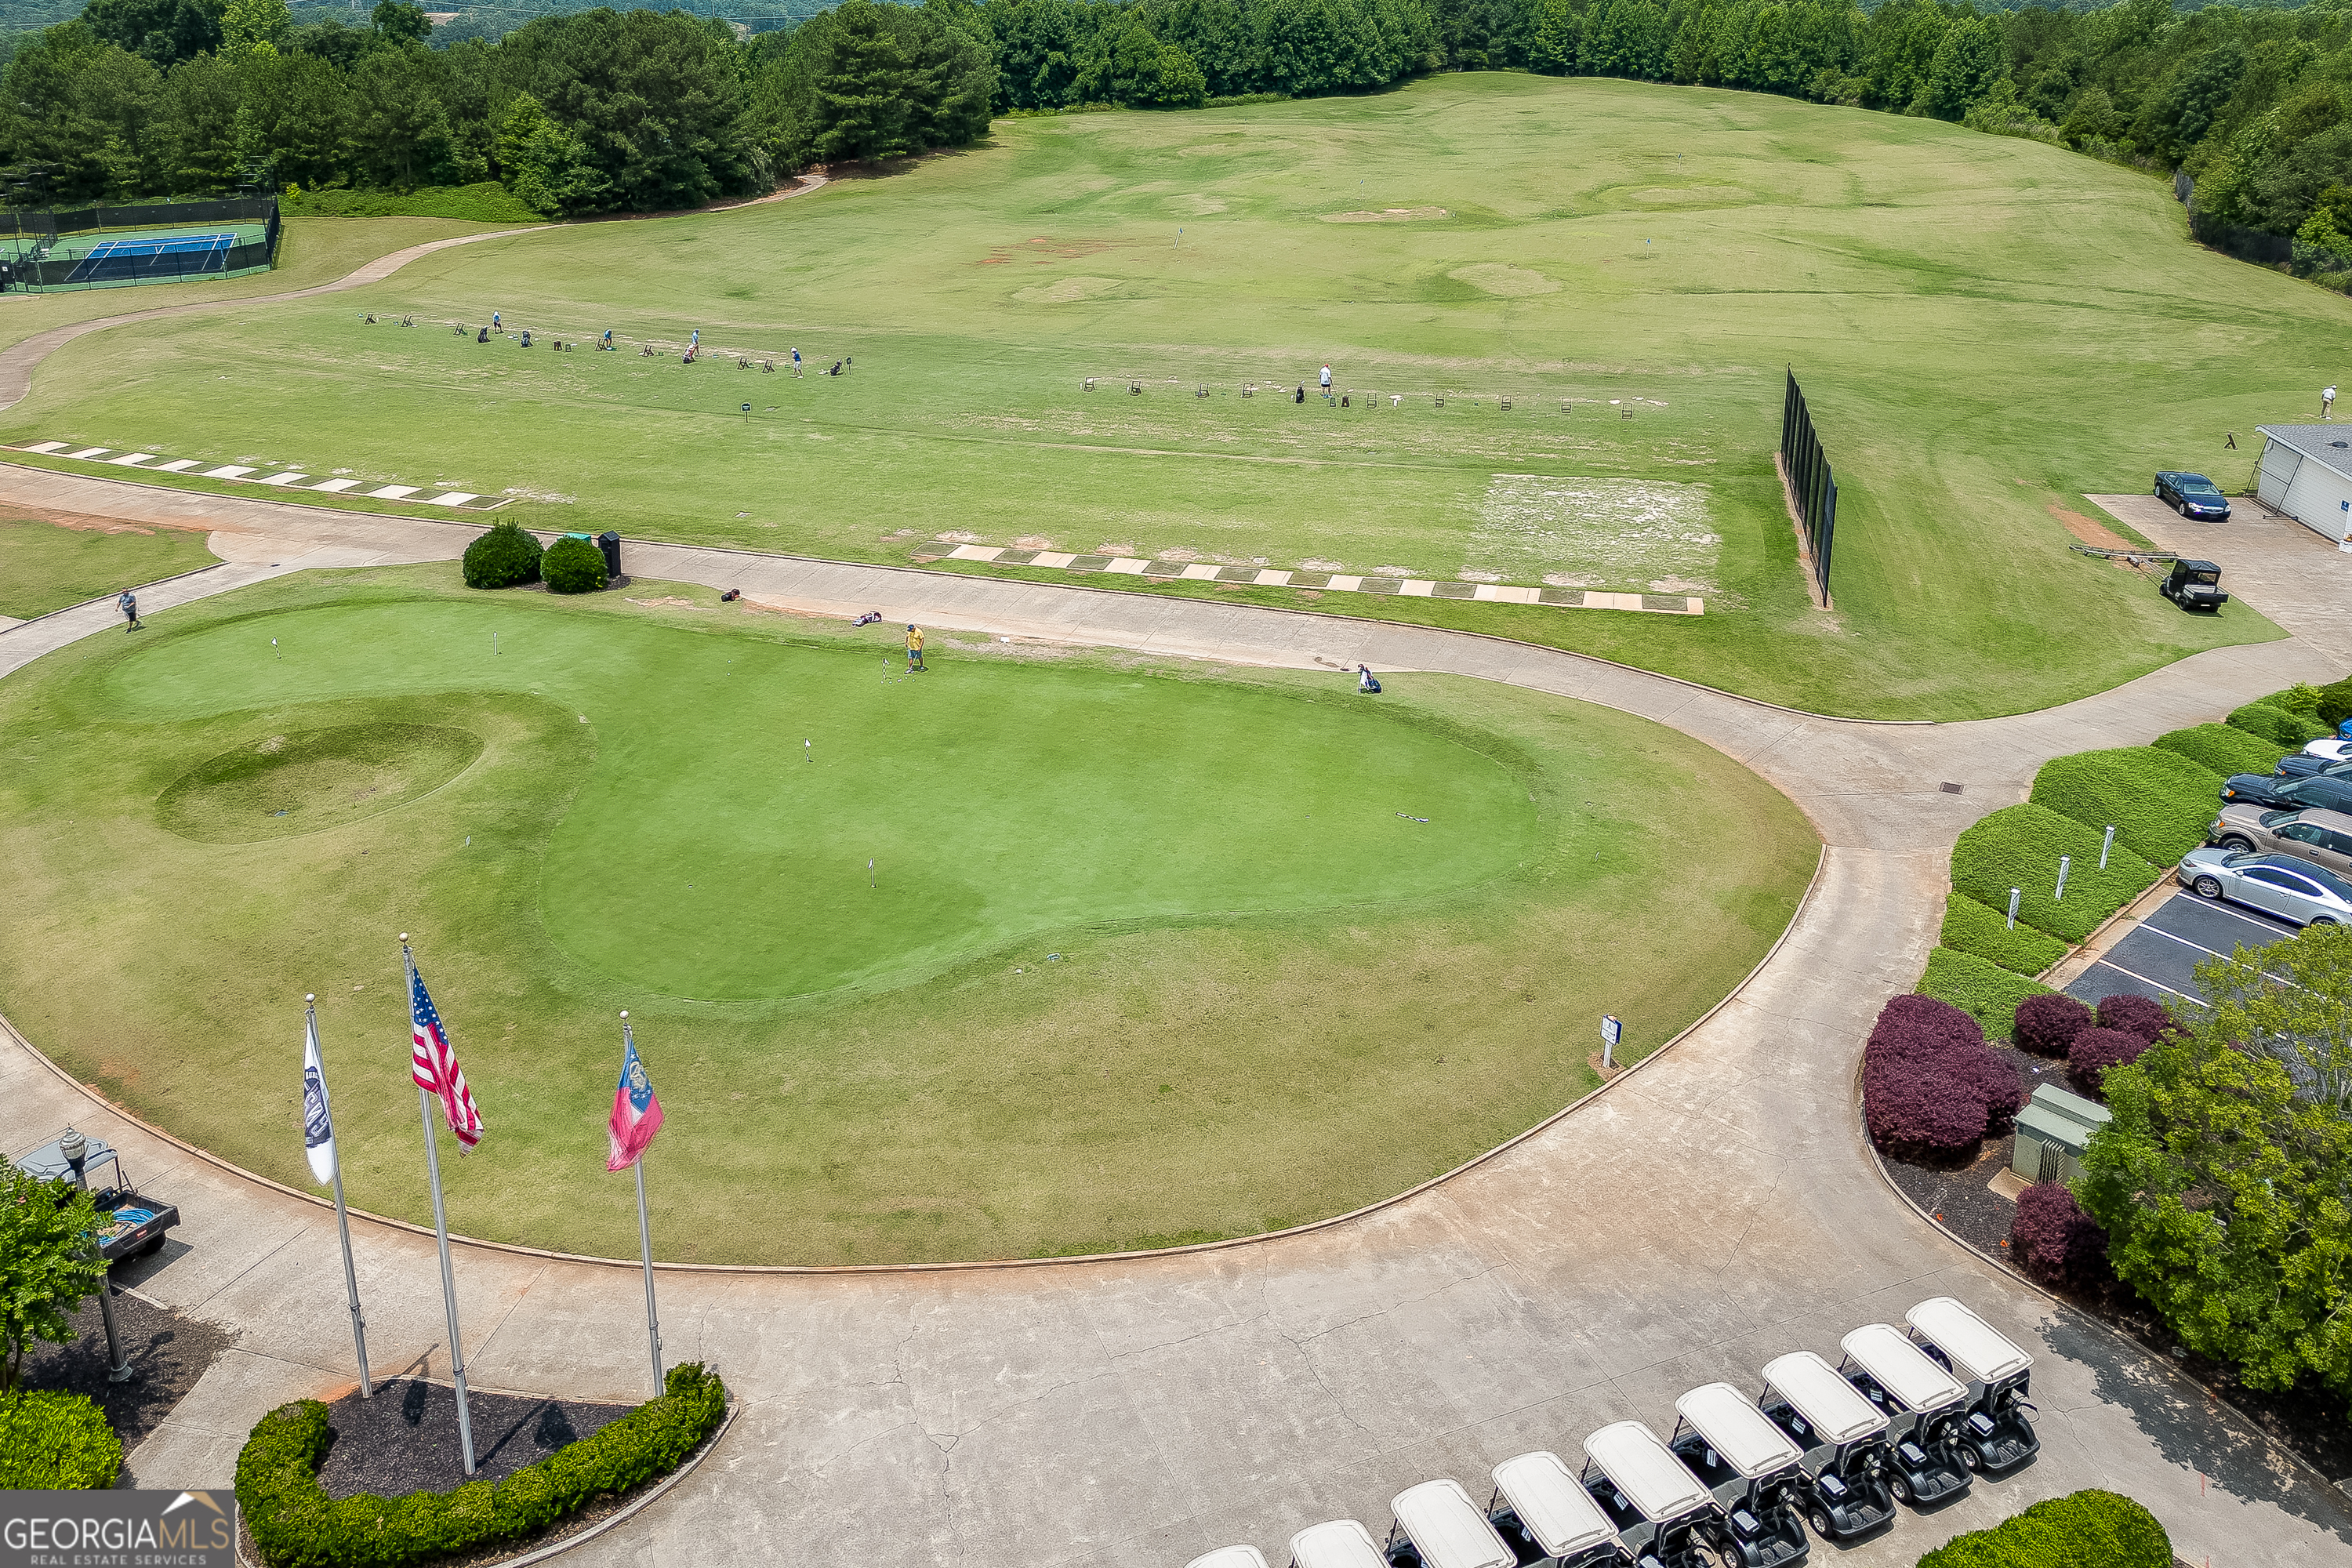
168 255
162 242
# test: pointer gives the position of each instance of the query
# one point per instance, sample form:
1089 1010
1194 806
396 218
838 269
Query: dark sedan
2331 791
2319 757
2192 495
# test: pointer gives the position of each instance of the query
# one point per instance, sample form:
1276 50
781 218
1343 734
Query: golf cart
1662 1513
2195 585
1755 1472
138 1222
1229 1557
1996 1436
1437 1526
1923 1407
1341 1543
1548 1519
1845 1444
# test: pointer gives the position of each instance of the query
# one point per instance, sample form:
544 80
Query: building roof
2327 445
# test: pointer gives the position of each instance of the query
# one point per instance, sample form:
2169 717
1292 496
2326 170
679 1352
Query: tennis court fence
173 242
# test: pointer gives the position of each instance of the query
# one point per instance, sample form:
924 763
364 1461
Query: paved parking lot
2159 957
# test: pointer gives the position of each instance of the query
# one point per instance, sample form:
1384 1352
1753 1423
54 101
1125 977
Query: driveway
1710 1210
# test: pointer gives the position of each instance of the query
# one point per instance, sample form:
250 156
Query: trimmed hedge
1982 989
2084 1530
2096 1050
56 1442
2019 846
2053 1240
2047 1024
1971 927
506 557
2159 802
2138 1015
2222 748
2334 704
2279 726
1930 1090
297 1525
577 566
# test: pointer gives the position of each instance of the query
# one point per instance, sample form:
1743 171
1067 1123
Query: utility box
609 542
2053 1131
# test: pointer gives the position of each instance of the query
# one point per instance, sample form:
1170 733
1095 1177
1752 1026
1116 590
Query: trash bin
609 542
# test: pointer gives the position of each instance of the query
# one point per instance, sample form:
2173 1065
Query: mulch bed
167 1350
2306 1419
405 1439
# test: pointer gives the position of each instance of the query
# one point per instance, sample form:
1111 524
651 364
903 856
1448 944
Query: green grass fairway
45 567
1150 952
1986 327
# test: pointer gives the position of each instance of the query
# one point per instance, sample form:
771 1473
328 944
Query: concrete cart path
1715 1208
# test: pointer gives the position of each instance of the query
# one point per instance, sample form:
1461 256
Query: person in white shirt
1327 381
2327 403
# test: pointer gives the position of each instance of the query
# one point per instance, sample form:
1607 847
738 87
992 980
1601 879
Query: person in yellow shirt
914 648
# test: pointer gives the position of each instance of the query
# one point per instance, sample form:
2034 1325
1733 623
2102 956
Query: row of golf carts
1906 1417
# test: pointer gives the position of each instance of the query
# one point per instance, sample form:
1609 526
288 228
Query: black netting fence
88 248
1811 484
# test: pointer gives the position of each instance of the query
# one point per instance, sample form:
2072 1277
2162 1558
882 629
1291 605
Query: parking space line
2160 986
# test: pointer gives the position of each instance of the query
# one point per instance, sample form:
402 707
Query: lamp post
76 1149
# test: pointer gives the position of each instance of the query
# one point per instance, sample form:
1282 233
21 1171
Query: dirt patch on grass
84 522
1387 215
2097 535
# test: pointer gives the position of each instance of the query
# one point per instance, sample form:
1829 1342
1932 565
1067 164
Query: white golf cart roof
1341 1543
1448 1528
1229 1557
1971 1343
1901 1367
1553 1504
1646 1471
1737 1430
1812 1385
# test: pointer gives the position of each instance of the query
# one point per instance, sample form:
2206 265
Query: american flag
434 1066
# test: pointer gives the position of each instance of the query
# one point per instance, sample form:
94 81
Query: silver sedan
2279 885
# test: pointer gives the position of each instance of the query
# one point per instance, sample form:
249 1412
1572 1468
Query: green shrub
2222 748
1972 928
1978 987
2334 704
505 557
2084 1530
297 1525
2278 726
2019 846
2159 802
2301 698
56 1442
488 202
575 566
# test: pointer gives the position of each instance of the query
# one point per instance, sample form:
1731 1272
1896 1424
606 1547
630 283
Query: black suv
2192 495
2328 791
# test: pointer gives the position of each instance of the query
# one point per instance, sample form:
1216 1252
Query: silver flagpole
440 1227
343 1221
645 1244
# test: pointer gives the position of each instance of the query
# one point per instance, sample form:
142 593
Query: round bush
56 1442
2046 1025
2278 726
2096 1050
2334 703
505 557
573 566
1930 1089
2138 1015
2054 1240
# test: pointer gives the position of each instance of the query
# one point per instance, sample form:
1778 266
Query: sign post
2064 863
1612 1031
2013 894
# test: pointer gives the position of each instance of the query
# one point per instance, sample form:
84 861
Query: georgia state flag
636 1114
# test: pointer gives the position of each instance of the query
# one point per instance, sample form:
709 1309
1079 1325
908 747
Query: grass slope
1986 327
45 567
1086 1008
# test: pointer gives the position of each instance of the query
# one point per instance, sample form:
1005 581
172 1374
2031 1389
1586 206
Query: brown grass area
2097 535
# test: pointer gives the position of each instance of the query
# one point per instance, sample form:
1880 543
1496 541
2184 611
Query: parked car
2321 837
1924 1408
1754 1470
1548 1518
2331 791
1996 1436
2319 757
1661 1511
1845 1444
2192 495
2278 884
2195 585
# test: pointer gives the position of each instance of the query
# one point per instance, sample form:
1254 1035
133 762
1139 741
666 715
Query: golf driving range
1147 952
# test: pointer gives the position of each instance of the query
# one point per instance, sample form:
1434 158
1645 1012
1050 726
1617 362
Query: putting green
721 846
1149 955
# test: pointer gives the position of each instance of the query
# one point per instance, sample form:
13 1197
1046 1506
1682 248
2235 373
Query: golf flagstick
440 1229
636 1117
342 1218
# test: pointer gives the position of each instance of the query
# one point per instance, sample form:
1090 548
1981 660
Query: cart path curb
1820 862
627 1511
2337 1492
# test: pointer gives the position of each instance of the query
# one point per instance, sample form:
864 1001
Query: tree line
601 111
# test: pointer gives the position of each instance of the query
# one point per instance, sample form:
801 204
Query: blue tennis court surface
113 260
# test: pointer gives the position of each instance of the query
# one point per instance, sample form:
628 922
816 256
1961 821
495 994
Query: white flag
318 1127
